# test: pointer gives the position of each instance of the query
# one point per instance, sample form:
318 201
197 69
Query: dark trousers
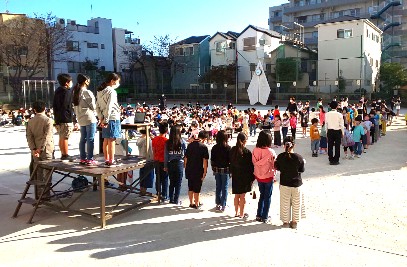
175 173
293 131
161 181
334 140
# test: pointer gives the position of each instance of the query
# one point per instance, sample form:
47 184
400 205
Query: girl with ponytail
85 111
241 170
290 165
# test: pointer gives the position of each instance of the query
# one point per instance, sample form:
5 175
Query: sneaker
67 158
217 208
82 161
345 157
91 162
293 225
267 220
358 156
112 164
285 225
258 219
352 158
222 208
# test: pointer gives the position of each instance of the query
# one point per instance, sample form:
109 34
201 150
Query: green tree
220 75
288 70
392 75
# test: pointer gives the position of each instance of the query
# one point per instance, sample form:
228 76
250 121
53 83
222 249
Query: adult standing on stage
335 125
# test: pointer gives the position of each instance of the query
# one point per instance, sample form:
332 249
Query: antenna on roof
91 11
7 11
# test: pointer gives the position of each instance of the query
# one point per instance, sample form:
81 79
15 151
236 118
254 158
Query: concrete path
356 216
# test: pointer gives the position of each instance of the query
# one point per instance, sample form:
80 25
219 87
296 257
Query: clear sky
148 18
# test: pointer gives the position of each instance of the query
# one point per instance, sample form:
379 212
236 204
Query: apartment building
298 19
92 42
349 49
125 49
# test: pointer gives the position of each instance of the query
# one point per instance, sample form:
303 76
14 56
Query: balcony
300 6
275 19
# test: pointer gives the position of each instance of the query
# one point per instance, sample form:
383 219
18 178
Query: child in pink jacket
263 160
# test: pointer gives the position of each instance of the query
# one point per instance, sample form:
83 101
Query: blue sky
148 18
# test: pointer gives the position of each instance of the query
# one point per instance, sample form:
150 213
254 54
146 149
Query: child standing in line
348 143
293 124
285 124
276 129
384 121
304 121
158 145
196 165
358 132
366 124
323 143
315 137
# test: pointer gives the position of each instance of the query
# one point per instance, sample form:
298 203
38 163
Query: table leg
102 201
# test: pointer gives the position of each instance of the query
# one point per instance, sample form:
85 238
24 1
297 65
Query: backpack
347 139
79 183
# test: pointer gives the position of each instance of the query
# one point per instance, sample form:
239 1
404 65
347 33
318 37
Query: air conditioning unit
262 42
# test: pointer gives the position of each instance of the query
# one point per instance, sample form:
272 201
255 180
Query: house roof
227 35
259 29
192 40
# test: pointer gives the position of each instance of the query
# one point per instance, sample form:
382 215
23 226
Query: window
367 33
102 46
371 62
72 46
232 45
220 47
249 43
179 51
22 50
103 68
277 14
377 63
190 50
93 45
302 19
74 66
315 34
252 66
344 33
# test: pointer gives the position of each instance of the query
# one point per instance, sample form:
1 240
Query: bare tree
27 48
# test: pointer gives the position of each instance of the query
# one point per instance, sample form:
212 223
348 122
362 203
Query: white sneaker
358 156
345 157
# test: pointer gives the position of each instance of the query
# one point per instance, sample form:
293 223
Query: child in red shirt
158 146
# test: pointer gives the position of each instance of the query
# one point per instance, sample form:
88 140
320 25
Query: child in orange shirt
315 137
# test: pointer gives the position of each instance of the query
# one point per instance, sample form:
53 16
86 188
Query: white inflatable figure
259 89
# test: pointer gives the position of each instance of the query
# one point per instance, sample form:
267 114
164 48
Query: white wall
346 53
261 53
226 57
88 35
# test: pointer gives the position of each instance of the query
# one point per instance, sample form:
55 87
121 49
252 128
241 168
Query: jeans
88 138
284 130
175 173
358 148
266 189
315 146
161 181
222 183
334 140
253 129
